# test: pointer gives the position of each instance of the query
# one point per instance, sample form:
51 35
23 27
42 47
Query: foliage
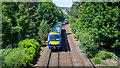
22 20
96 60
7 51
43 30
101 20
6 30
23 55
27 43
104 55
15 22
18 57
88 44
73 27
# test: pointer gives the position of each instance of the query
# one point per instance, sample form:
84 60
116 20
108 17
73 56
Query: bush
27 43
108 55
88 44
72 25
23 55
96 60
104 55
17 57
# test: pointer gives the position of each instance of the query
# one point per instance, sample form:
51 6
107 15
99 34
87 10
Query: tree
22 20
43 30
98 19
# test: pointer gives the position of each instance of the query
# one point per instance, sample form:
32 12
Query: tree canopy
100 22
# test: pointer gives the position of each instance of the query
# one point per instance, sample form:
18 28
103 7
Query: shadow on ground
36 57
65 44
68 33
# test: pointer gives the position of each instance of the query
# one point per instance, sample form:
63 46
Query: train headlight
49 43
59 42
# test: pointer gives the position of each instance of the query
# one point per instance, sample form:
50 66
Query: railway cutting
68 55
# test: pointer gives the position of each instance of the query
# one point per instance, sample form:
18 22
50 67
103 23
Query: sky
63 3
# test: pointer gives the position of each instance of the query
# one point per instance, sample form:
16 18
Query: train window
54 38
66 20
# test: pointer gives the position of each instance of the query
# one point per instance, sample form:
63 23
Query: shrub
104 55
7 51
72 25
30 51
96 60
23 55
27 43
17 57
108 55
88 44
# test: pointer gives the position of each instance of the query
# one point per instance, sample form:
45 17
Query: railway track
67 56
53 59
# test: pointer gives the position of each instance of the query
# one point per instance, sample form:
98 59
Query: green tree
43 30
99 19
15 22
22 20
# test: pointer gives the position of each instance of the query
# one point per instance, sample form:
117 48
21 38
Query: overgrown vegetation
102 55
96 25
22 20
23 55
43 30
96 60
25 25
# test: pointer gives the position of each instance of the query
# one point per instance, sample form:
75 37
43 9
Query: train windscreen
54 38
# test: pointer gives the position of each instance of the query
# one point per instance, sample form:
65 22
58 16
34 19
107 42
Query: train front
54 40
66 21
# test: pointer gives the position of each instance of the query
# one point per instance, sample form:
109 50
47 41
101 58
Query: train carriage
54 37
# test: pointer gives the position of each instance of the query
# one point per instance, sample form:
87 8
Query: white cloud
63 3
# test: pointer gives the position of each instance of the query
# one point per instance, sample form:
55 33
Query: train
66 21
54 37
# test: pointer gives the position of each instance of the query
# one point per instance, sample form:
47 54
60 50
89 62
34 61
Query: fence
4 53
116 59
6 49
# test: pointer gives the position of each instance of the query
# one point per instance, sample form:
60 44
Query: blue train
54 36
66 21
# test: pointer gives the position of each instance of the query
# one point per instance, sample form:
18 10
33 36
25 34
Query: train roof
66 19
57 27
